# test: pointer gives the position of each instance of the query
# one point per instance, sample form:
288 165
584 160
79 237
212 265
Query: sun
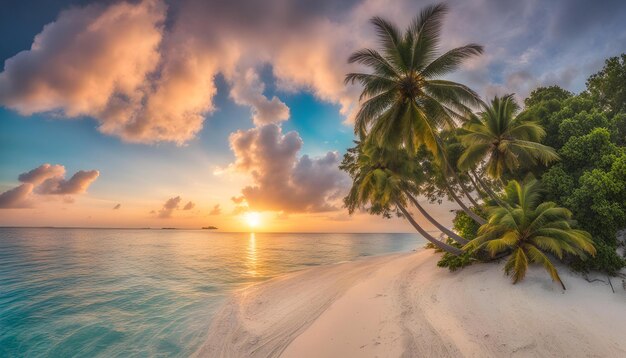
253 219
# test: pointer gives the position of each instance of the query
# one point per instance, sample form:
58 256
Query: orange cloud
16 197
77 184
284 182
46 180
92 61
42 173
217 210
143 82
168 208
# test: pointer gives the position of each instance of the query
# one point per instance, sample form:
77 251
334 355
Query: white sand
404 306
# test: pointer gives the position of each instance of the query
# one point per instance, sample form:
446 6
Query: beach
403 305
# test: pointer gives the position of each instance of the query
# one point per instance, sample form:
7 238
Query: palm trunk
432 220
481 191
469 213
493 195
442 245
485 187
463 189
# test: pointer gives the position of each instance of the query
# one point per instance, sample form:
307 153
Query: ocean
125 292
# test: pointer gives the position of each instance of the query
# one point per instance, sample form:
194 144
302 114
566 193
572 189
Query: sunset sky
187 113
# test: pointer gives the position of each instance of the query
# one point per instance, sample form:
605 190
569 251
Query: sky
155 113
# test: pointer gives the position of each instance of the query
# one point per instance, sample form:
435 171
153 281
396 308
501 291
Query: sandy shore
402 305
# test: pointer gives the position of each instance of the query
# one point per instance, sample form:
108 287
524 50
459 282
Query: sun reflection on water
251 257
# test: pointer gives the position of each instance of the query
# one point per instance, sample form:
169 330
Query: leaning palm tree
381 183
526 229
405 101
501 140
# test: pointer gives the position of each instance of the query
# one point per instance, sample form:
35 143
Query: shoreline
403 305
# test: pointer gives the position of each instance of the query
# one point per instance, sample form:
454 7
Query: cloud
171 205
168 208
143 82
16 197
77 184
238 199
240 209
42 173
247 89
93 61
556 43
217 210
47 180
147 72
117 206
282 180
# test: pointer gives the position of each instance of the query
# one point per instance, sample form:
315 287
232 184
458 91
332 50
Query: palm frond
537 256
375 60
391 41
517 265
426 30
451 60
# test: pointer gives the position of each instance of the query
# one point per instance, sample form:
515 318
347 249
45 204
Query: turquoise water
121 293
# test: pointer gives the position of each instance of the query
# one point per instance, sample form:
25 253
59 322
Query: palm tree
526 229
380 180
404 100
502 140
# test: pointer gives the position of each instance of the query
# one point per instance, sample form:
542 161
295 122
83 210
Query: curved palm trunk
481 191
488 190
463 188
454 236
464 207
442 245
484 186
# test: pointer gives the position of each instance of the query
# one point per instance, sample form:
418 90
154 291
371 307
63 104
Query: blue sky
182 144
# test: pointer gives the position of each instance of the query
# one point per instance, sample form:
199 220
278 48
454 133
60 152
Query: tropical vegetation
405 103
540 184
527 227
501 140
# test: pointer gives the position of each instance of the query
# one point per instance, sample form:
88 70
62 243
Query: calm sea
120 293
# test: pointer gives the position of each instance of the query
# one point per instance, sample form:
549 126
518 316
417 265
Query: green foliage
547 94
542 106
583 123
607 86
456 262
589 132
502 140
591 182
593 150
467 228
407 124
605 260
381 177
526 227
404 101
599 201
559 183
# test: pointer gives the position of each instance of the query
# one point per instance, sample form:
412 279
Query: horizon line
209 230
